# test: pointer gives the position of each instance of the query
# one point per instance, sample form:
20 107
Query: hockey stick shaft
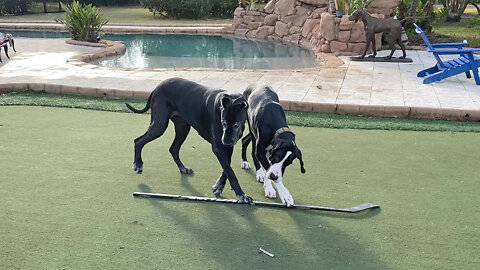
355 209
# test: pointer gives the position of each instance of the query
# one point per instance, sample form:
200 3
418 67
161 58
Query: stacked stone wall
308 23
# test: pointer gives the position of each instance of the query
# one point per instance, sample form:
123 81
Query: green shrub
14 6
83 22
441 13
358 4
110 2
472 22
191 9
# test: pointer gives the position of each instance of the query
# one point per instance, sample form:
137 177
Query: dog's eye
236 125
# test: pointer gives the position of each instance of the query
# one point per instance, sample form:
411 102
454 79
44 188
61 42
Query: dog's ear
299 156
241 101
244 103
225 101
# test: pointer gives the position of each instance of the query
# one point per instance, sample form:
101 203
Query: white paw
245 165
260 175
284 194
269 190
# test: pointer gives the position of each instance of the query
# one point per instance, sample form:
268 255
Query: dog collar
282 130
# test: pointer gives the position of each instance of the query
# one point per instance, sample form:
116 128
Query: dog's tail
147 107
411 18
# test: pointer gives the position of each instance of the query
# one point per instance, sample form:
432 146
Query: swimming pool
198 51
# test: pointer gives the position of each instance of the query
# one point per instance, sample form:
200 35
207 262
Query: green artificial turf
307 119
66 199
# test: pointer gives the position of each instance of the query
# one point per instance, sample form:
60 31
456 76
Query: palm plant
83 22
359 4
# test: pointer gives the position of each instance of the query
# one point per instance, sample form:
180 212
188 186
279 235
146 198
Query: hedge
191 9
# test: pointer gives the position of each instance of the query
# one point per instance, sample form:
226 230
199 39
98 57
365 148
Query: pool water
199 51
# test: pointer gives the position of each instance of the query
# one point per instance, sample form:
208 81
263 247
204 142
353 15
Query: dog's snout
228 143
273 177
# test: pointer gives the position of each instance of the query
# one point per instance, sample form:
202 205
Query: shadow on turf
360 215
233 246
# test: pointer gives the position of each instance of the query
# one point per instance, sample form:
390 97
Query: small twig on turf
261 250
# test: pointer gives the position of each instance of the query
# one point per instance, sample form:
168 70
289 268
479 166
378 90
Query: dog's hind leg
5 48
402 46
158 125
245 141
260 172
392 39
12 43
374 47
182 129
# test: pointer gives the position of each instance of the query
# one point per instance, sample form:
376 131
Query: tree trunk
456 9
428 8
413 9
412 13
23 7
402 11
45 6
59 5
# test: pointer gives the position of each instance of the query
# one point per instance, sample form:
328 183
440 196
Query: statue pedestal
381 59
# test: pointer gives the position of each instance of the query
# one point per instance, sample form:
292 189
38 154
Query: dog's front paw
388 57
244 198
260 175
245 165
269 190
138 167
186 170
284 195
217 189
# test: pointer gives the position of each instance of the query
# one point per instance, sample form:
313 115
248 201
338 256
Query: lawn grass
459 31
67 200
467 29
125 15
307 119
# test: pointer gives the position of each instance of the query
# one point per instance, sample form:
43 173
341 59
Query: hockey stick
354 209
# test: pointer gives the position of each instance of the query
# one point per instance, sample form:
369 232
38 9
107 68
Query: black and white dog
218 117
273 145
4 40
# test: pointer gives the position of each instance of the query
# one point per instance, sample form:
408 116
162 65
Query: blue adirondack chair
444 69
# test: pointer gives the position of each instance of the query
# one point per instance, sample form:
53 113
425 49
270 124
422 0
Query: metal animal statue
5 40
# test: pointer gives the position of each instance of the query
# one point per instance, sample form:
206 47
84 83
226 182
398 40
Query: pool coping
302 106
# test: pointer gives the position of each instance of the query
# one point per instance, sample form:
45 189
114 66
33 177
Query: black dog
270 132
218 117
391 27
4 40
